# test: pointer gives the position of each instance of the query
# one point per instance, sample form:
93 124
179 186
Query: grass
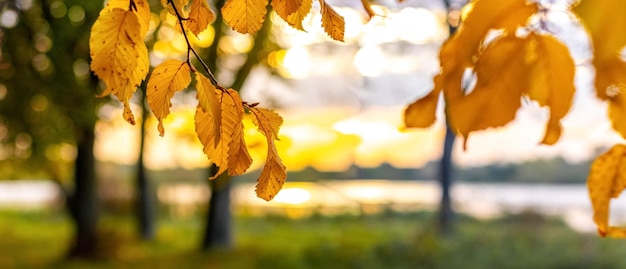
33 240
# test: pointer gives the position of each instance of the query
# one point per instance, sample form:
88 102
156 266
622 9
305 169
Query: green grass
32 240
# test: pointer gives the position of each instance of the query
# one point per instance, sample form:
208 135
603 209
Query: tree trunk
218 230
446 213
83 204
145 202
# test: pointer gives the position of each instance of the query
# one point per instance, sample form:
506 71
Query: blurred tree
145 201
50 100
446 212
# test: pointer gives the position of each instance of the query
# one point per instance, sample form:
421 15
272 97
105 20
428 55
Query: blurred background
82 188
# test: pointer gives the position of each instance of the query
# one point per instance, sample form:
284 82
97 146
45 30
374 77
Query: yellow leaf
216 152
605 23
200 16
295 19
232 115
607 179
460 51
502 78
334 25
284 8
119 57
617 112
421 113
166 79
274 172
239 159
207 100
551 80
245 16
140 7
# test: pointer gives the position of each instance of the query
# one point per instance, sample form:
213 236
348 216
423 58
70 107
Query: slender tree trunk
83 204
145 196
218 230
446 213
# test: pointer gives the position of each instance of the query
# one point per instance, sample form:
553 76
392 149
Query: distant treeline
555 170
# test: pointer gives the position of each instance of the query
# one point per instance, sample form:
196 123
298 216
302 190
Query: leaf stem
190 48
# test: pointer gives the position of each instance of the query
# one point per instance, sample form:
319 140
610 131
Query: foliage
509 50
120 59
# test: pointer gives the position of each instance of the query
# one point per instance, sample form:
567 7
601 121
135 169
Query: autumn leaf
245 16
140 7
460 51
607 179
617 112
284 8
605 25
230 152
295 19
207 100
274 172
166 79
239 159
502 78
334 25
551 80
200 16
205 129
421 113
119 57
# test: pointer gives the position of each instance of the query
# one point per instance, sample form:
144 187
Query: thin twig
190 48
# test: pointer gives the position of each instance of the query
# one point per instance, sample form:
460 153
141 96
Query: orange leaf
274 172
119 56
607 179
239 159
166 79
295 19
551 80
284 8
502 78
421 113
218 153
245 16
207 100
334 25
200 16
460 51
142 11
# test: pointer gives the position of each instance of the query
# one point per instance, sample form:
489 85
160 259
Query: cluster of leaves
120 59
525 61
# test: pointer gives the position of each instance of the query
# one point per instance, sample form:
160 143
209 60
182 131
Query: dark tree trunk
446 213
83 204
145 202
218 230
